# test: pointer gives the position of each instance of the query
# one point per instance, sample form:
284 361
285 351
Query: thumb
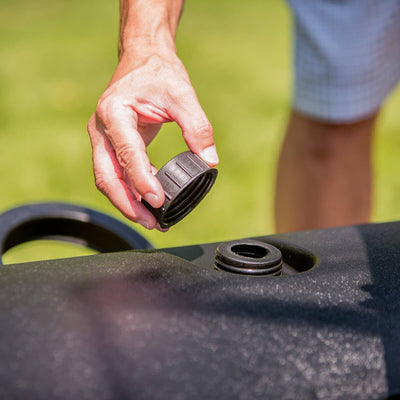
196 128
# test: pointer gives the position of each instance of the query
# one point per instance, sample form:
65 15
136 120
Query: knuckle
91 123
102 112
125 155
203 131
104 109
102 183
181 90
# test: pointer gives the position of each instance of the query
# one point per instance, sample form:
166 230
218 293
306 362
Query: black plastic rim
68 223
188 199
249 257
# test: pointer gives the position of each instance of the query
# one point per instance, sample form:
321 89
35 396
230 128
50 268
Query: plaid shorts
347 56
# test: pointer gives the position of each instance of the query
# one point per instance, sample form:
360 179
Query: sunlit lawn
56 58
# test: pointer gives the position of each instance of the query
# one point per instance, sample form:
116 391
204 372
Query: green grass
56 58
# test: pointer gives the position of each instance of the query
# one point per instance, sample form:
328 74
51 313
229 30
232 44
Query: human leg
347 60
324 174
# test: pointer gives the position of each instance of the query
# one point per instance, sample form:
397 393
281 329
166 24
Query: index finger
130 150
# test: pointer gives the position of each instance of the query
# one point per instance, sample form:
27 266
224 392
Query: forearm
148 25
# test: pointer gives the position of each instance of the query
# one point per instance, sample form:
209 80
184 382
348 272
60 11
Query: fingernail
158 227
151 198
144 223
209 155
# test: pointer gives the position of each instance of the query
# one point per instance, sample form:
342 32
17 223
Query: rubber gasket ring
249 257
186 180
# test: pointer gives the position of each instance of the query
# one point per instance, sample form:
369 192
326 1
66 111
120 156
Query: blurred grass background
56 59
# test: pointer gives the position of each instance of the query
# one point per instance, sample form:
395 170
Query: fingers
128 117
109 180
118 122
196 128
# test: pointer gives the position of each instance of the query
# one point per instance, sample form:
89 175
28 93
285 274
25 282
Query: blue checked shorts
347 56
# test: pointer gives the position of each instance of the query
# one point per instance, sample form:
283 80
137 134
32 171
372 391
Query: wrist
148 26
140 47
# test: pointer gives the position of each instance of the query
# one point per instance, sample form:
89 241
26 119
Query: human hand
143 95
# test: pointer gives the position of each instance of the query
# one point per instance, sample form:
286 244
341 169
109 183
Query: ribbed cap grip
186 179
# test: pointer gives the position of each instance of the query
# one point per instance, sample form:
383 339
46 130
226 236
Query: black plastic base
164 324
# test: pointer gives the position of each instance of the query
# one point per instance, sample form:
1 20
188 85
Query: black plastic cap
186 179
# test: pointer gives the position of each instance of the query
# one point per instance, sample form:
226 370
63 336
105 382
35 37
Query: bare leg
324 174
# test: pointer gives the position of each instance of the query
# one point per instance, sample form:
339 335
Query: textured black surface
166 325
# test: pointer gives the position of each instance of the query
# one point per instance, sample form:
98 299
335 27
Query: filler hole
249 251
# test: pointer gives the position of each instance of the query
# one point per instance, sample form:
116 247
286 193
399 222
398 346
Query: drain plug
249 257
